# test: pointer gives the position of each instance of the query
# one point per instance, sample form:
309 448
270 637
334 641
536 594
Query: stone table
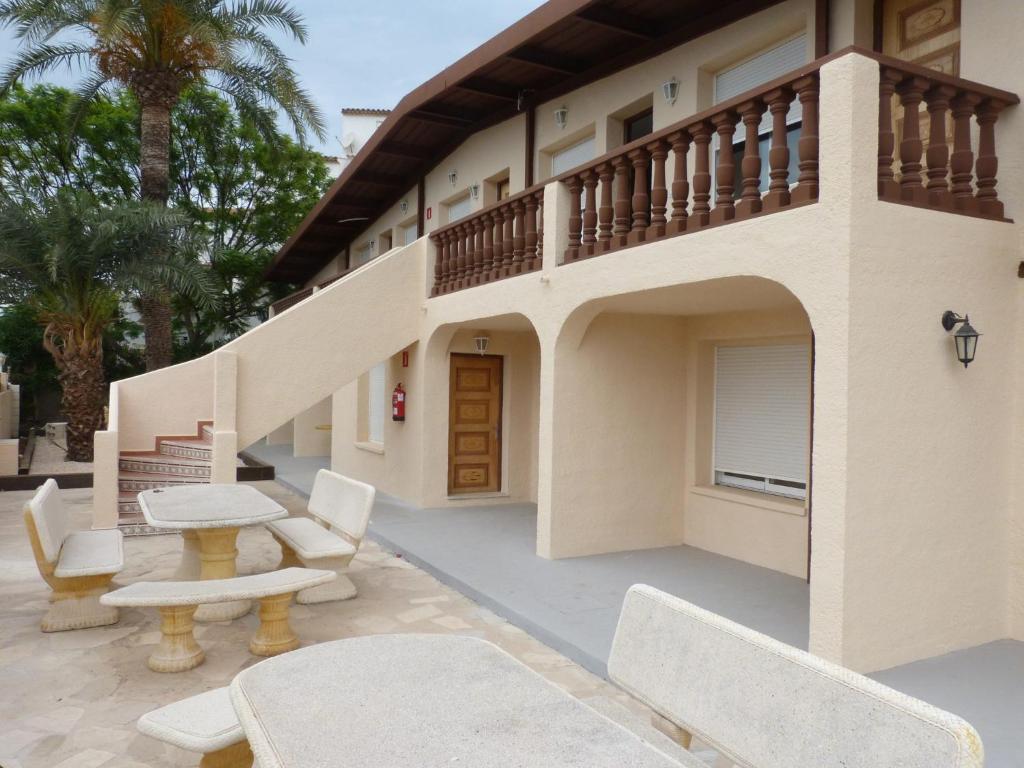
209 517
424 700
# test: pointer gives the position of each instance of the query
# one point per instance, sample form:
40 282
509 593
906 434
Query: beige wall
311 433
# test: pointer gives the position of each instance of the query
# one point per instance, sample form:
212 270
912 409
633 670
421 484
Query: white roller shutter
409 234
362 255
458 209
761 69
378 403
762 412
570 157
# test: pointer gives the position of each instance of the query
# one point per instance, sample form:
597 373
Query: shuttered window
570 157
362 255
409 234
762 418
377 411
458 209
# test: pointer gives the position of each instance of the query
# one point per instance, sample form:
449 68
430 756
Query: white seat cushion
309 539
50 517
203 723
90 553
156 594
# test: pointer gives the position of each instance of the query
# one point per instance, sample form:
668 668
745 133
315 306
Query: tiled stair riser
186 452
155 466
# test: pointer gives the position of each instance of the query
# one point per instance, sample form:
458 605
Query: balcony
625 198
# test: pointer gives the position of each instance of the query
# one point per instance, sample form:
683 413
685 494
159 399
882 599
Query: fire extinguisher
398 404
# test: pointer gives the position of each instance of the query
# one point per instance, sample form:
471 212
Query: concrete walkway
487 554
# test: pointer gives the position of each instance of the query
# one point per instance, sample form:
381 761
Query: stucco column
225 438
545 445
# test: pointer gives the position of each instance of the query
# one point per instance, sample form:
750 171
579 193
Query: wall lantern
965 338
562 117
453 177
671 90
474 191
373 244
481 342
404 207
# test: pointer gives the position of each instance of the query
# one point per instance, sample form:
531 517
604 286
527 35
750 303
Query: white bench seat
178 600
78 565
88 553
340 507
205 723
309 539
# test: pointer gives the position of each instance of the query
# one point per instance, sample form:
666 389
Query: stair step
144 481
207 432
189 449
172 466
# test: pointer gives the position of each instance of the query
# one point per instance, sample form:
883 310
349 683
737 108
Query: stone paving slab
72 698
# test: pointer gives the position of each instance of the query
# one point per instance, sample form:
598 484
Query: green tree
21 339
72 260
157 49
247 195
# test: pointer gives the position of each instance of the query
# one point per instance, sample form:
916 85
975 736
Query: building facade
678 278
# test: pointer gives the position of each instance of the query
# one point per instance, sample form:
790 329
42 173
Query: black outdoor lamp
966 338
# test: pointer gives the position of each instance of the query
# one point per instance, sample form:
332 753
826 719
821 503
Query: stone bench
341 508
205 723
764 704
177 602
77 565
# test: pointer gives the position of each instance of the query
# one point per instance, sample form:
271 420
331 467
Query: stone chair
764 704
342 508
78 565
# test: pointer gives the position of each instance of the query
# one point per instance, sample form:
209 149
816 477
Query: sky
371 53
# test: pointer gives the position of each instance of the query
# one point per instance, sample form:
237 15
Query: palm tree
157 48
73 261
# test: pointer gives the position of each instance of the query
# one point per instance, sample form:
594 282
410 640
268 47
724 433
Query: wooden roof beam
439 117
399 149
546 60
480 86
634 26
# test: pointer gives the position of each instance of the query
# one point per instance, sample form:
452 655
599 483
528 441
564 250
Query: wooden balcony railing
951 181
502 240
614 205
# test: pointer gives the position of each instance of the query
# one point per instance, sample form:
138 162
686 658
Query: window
362 255
637 126
501 190
377 410
570 157
763 68
385 241
762 418
409 234
458 209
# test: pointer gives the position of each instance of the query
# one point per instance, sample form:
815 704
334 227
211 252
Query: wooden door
927 33
474 424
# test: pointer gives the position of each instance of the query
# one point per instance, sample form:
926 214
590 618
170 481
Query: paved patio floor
572 605
71 699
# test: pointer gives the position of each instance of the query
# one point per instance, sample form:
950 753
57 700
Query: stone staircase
176 460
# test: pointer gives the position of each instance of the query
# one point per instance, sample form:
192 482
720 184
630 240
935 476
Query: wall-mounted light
482 342
562 117
965 338
670 88
453 177
373 244
474 191
404 207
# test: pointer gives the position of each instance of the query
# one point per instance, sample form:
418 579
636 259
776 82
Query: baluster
911 93
450 257
487 251
620 228
572 253
499 243
508 241
725 126
460 263
519 238
680 142
530 242
659 190
640 200
750 165
467 276
478 250
938 149
605 213
701 133
539 197
807 148
961 163
887 187
987 164
589 213
438 265
777 197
